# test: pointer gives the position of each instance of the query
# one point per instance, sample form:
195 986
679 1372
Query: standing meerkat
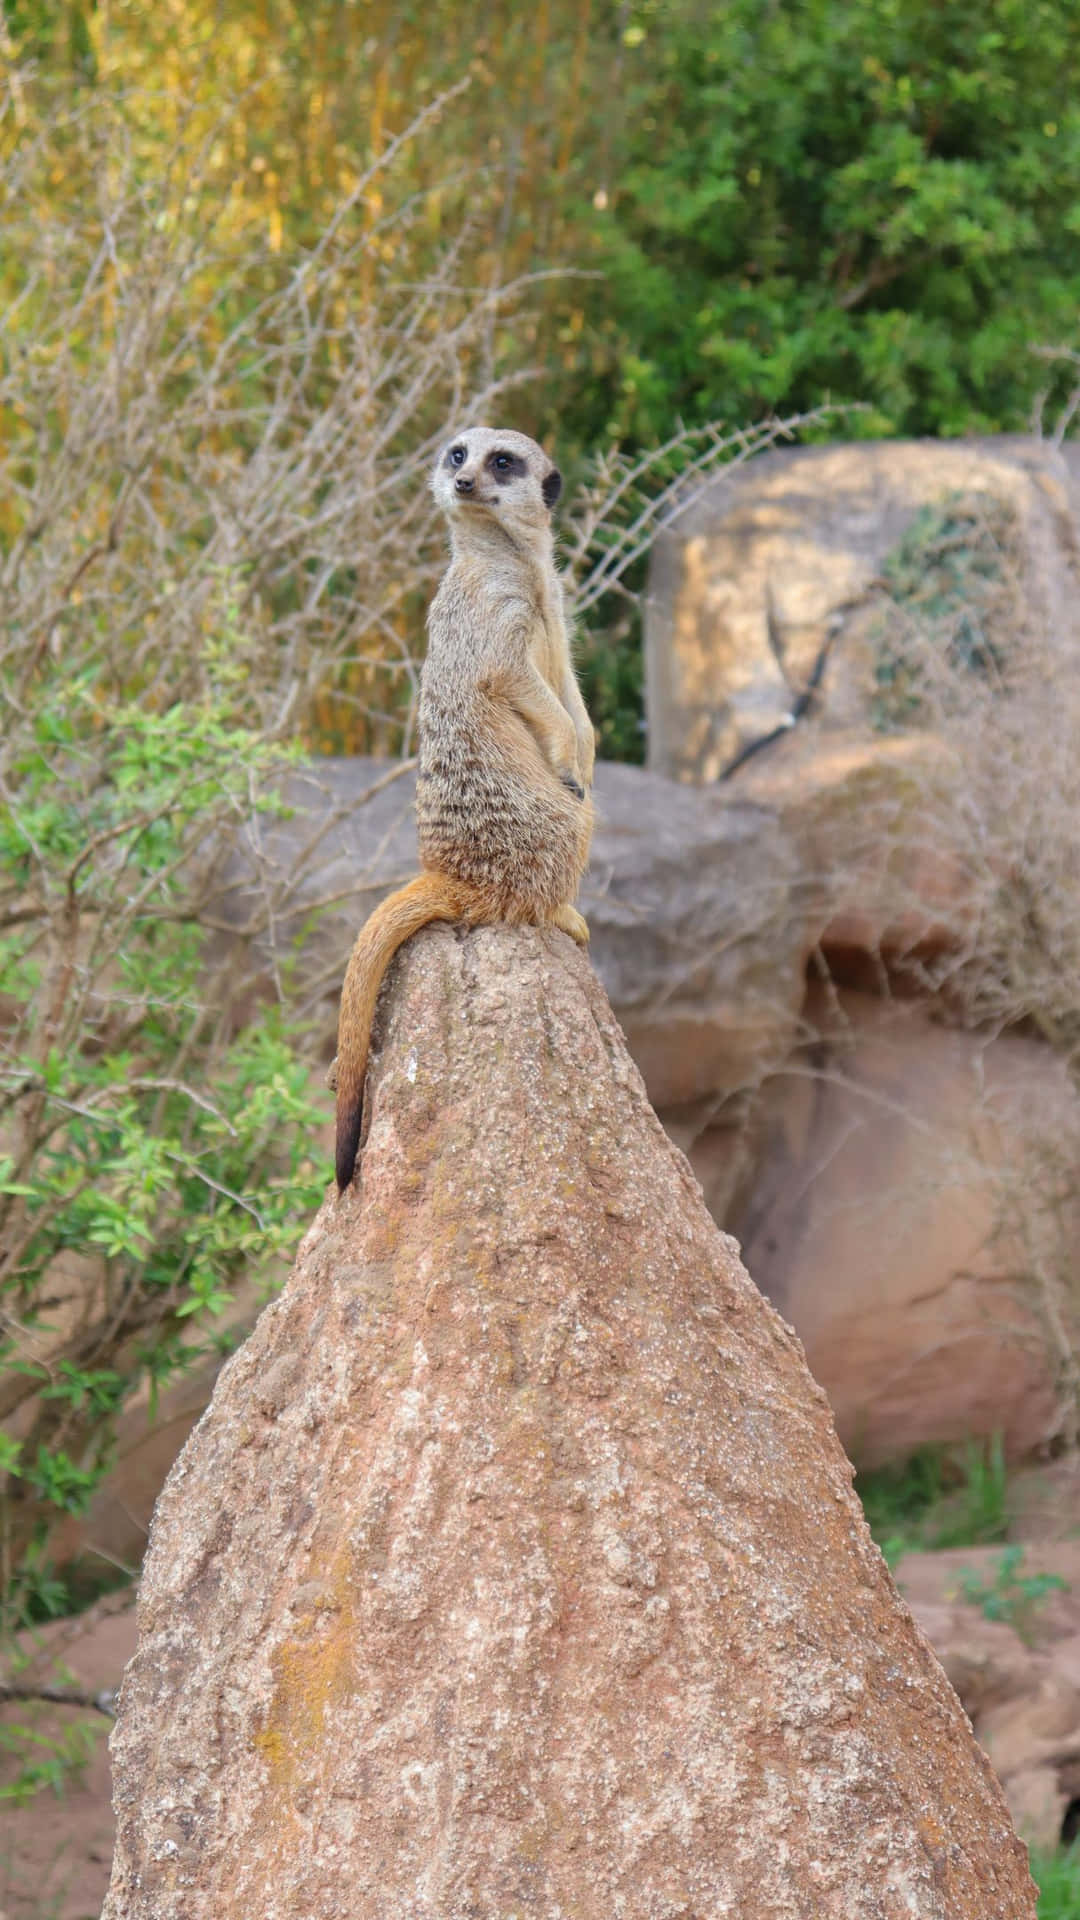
506 745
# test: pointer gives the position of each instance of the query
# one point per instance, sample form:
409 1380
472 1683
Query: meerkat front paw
573 784
569 920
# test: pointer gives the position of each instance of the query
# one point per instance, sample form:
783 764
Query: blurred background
791 291
680 213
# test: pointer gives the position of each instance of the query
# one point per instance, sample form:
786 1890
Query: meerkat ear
551 486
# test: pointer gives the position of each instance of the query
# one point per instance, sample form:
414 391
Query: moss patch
948 609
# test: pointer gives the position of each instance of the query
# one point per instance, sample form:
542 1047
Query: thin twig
102 1702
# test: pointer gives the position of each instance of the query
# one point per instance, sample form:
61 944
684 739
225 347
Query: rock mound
897 1220
515 1568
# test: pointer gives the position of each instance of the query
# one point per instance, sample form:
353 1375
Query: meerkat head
487 474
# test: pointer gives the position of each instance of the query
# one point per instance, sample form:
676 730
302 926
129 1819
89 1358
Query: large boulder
907 1215
515 1567
893 890
774 562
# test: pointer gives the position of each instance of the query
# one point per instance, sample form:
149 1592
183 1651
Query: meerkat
506 754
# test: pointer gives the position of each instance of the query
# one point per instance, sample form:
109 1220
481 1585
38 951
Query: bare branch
102 1702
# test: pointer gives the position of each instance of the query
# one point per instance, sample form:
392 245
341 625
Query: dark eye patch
455 457
506 466
551 486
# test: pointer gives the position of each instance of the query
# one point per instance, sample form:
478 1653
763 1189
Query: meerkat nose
463 484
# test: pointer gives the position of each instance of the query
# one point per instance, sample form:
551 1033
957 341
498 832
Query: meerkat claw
569 920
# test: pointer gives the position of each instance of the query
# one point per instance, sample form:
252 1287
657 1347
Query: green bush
1057 1876
937 1498
1011 1596
153 1149
873 199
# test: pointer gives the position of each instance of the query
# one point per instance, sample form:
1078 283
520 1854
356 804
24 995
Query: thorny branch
624 502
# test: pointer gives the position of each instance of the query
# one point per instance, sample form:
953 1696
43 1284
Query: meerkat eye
457 456
501 462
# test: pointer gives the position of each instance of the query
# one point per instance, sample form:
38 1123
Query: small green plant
42 1749
937 1498
897 1498
976 1513
1057 1876
1010 1596
945 604
153 1148
53 1760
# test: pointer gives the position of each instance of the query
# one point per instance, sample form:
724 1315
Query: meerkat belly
490 811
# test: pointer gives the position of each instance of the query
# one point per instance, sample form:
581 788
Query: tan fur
506 745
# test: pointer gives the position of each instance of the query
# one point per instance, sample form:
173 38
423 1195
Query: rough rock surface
899 1220
780 553
515 1568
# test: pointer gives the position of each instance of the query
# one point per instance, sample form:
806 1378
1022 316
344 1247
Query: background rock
897 1217
885 873
793 541
698 933
515 1566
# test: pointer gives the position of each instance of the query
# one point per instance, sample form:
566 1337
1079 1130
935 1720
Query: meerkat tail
431 896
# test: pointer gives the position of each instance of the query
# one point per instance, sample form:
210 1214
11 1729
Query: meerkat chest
480 617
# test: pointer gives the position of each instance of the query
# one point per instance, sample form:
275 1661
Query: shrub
1011 1596
154 1148
873 201
1057 1876
937 1498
